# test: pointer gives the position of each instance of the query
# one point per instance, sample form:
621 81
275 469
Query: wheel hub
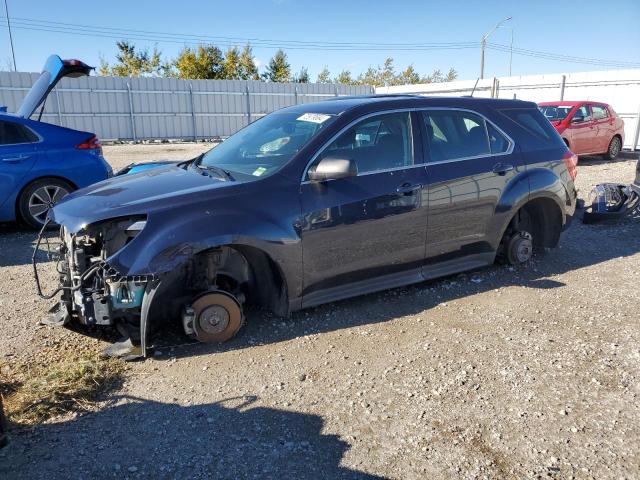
217 316
214 319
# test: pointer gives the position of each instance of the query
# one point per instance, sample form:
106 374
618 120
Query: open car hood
54 69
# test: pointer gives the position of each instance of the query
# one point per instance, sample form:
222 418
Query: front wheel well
244 271
542 218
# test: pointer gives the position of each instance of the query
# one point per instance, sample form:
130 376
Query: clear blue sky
584 28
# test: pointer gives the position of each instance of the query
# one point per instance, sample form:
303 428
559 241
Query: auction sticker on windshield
314 117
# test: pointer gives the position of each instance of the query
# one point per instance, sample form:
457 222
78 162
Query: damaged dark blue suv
312 204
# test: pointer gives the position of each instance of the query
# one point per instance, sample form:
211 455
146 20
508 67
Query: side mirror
332 168
577 119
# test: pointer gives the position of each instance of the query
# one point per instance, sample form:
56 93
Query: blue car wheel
39 196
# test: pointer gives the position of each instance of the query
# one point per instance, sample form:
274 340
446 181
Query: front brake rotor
217 317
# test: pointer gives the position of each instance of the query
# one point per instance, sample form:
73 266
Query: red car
588 128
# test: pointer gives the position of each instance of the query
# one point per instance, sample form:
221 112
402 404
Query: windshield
266 145
556 112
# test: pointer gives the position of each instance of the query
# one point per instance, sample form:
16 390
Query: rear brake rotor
520 248
217 317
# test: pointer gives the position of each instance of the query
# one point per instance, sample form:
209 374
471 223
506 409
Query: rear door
469 163
366 230
583 131
604 128
17 155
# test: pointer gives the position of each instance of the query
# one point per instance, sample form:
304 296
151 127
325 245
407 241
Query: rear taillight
571 161
92 144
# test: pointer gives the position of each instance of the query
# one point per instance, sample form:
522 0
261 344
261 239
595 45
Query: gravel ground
500 373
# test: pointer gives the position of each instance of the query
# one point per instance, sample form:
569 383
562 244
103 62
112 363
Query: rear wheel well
31 182
542 218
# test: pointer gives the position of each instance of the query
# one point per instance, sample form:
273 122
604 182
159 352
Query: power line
562 57
184 39
110 32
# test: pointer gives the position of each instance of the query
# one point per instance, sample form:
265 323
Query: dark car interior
378 143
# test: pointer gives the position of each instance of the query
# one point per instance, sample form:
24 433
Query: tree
203 62
369 77
278 69
246 64
303 76
232 64
387 73
408 77
344 77
132 63
324 76
451 75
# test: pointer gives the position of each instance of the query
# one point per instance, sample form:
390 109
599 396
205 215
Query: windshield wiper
220 171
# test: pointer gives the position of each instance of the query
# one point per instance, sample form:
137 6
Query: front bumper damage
92 292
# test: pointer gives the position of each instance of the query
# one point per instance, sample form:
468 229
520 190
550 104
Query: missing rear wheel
519 248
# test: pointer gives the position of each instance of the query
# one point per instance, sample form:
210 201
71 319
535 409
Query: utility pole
483 43
13 53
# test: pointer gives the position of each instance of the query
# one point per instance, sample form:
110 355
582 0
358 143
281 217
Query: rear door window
498 142
454 134
599 112
12 133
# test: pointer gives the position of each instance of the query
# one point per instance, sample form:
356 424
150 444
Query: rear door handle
408 188
15 159
502 168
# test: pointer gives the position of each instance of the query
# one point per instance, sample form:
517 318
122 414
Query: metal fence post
248 104
564 81
295 94
335 86
133 123
59 111
193 113
636 136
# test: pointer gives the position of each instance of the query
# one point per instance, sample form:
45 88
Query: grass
63 384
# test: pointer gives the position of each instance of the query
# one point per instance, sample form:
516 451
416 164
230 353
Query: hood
141 193
53 71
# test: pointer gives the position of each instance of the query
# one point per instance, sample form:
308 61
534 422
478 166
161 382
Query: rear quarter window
534 122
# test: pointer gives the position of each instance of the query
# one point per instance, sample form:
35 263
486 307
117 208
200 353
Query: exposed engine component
611 201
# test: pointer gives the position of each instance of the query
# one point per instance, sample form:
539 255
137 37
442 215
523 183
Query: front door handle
408 188
502 168
15 159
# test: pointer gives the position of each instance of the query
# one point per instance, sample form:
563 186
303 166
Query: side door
582 131
366 232
469 163
603 123
17 156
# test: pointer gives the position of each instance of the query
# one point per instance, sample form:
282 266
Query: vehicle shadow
583 246
137 438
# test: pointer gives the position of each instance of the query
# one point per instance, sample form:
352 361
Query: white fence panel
164 108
